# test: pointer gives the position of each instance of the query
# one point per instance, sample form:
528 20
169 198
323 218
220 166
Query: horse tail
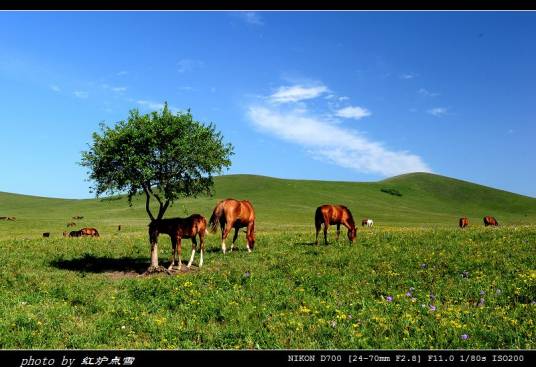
215 217
319 218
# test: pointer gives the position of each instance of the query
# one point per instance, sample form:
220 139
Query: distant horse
91 232
72 234
71 224
46 234
78 217
490 221
464 222
231 213
334 214
370 222
119 227
364 222
177 229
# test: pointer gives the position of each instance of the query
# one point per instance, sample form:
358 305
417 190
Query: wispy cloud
80 94
343 147
251 17
122 72
353 112
297 93
344 98
152 105
55 88
407 76
119 89
437 111
187 65
321 134
426 93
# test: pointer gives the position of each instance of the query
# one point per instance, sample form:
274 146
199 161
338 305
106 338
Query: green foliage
394 192
173 153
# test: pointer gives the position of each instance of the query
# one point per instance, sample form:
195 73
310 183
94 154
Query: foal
177 229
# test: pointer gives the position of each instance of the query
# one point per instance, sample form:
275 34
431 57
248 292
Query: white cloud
297 93
81 94
427 93
437 111
324 140
251 17
344 98
122 72
156 105
353 112
408 76
187 65
55 88
119 89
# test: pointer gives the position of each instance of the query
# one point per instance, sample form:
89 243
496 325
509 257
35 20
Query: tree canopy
164 155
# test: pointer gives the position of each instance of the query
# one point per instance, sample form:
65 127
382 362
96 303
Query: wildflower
333 323
465 274
498 291
411 289
465 336
413 299
123 327
481 302
432 308
424 266
247 274
482 293
349 316
408 294
432 297
389 299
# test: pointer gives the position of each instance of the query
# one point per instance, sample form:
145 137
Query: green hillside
426 200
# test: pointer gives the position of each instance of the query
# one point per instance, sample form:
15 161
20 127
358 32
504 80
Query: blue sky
352 96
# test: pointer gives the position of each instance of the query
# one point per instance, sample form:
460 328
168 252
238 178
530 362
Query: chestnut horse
87 231
231 213
334 214
490 221
464 222
177 229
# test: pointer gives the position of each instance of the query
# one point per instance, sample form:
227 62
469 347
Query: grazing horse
78 217
231 213
334 214
364 222
490 221
72 234
177 229
46 234
464 222
370 222
91 232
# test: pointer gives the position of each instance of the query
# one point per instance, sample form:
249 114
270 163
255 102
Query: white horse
370 222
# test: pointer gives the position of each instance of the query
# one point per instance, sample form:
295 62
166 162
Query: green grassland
288 293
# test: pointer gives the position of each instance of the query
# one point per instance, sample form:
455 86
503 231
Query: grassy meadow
414 280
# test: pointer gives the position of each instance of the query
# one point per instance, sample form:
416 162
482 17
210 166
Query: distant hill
425 200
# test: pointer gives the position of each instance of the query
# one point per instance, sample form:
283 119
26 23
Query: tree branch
147 200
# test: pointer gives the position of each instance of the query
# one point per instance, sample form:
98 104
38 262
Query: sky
345 96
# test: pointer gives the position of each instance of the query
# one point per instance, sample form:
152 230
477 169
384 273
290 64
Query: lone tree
164 155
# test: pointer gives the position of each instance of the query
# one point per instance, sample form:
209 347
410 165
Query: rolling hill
426 200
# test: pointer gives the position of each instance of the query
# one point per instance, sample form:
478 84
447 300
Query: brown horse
231 213
364 222
72 234
464 222
177 229
490 221
334 214
87 231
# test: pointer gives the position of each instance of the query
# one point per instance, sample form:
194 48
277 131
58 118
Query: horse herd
235 214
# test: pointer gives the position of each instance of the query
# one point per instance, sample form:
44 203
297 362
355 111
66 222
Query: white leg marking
201 261
223 246
247 245
191 259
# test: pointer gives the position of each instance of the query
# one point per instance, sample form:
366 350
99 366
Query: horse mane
350 216
214 218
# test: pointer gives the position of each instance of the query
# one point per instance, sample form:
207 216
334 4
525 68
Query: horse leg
234 237
179 249
338 231
326 233
249 235
194 245
202 240
173 252
317 227
224 235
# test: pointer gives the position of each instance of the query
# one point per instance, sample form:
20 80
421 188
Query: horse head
352 233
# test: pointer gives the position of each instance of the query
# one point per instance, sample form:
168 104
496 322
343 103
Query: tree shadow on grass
94 264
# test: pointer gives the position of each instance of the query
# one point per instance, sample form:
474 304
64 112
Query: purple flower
481 302
432 297
465 336
389 299
411 289
432 308
408 294
247 274
482 293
